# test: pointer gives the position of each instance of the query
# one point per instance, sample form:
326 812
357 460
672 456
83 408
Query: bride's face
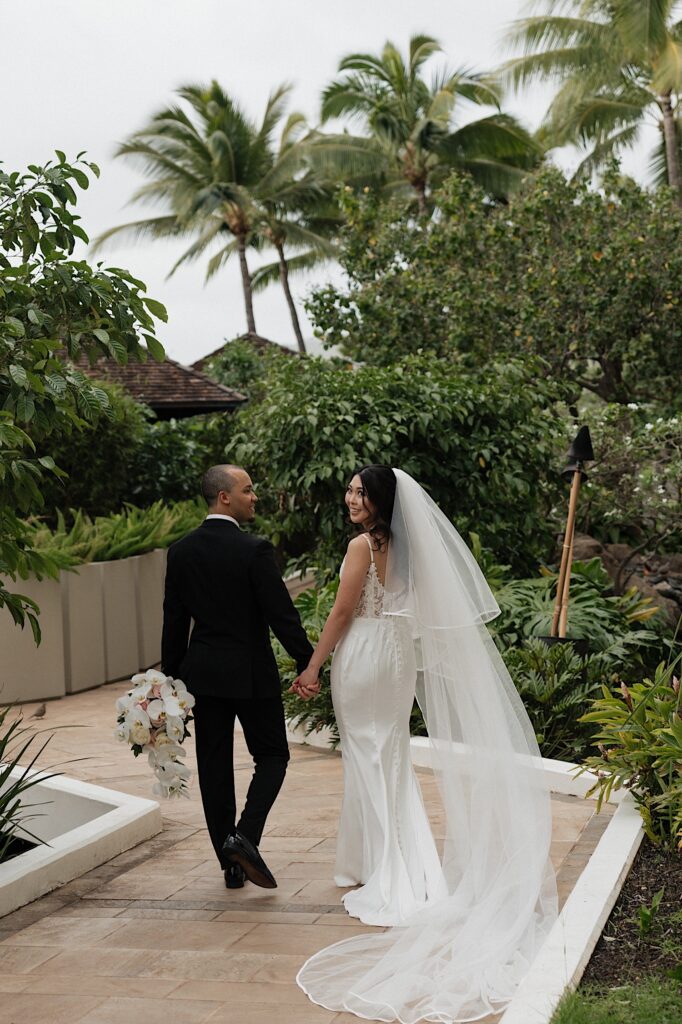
360 508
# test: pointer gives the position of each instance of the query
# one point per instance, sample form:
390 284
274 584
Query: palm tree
618 62
410 122
206 166
292 209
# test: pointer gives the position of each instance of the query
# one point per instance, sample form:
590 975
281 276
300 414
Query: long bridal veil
462 956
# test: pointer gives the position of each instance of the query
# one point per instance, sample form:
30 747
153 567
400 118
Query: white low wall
99 623
84 825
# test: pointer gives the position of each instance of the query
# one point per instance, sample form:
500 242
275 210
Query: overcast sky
84 74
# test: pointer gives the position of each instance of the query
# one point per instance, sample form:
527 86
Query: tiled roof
259 343
170 389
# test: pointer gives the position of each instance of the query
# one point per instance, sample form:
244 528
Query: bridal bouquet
153 718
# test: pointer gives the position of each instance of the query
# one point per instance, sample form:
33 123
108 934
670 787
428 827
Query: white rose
139 733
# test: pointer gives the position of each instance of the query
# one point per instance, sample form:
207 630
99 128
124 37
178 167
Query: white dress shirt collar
219 515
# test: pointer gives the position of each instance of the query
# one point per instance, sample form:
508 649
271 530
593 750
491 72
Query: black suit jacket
228 583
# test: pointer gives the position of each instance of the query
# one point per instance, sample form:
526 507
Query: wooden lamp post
579 453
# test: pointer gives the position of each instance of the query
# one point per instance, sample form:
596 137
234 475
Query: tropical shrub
479 442
611 624
131 457
52 307
130 532
588 280
639 734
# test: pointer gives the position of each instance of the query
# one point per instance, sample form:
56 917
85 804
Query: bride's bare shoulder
358 546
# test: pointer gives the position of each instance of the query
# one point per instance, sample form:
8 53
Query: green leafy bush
479 442
52 308
130 456
588 279
130 532
639 733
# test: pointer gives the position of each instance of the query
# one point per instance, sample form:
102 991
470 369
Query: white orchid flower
156 710
171 705
175 728
123 703
155 677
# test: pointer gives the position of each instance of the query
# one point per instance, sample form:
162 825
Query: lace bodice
371 601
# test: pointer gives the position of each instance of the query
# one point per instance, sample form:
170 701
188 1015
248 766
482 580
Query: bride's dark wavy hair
379 485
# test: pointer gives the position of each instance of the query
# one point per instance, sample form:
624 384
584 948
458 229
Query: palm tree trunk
672 148
284 278
246 284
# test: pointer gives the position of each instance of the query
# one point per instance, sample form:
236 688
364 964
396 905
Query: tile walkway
154 936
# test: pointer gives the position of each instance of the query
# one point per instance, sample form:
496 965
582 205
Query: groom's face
242 497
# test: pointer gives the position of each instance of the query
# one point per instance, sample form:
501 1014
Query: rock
619 552
669 609
674 563
586 547
665 590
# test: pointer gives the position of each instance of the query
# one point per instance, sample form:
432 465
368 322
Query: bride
471 906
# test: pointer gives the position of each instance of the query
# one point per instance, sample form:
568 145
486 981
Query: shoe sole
252 872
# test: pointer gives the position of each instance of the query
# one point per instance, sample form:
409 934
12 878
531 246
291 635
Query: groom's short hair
216 479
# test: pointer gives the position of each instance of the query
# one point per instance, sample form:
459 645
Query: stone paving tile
151 1010
25 1007
189 935
165 940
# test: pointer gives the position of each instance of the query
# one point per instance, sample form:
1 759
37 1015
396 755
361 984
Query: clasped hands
306 685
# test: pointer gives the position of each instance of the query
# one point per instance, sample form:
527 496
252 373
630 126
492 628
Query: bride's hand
306 685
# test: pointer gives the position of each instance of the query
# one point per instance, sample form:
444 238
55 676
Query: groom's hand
306 685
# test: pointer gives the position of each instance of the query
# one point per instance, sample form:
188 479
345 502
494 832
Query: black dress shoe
234 877
240 850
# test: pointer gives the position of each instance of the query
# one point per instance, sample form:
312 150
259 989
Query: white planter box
151 572
28 672
85 826
83 611
121 647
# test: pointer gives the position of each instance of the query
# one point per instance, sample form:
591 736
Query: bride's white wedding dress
384 840
473 919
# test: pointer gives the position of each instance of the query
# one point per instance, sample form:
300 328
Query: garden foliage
132 531
639 733
52 307
589 280
480 442
131 457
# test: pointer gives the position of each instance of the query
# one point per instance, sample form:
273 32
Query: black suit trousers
265 733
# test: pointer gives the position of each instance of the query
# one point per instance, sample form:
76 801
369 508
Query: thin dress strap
371 547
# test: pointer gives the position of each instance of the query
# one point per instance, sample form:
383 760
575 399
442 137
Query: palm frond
266 275
152 227
604 151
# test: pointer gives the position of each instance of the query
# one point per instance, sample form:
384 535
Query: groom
227 582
